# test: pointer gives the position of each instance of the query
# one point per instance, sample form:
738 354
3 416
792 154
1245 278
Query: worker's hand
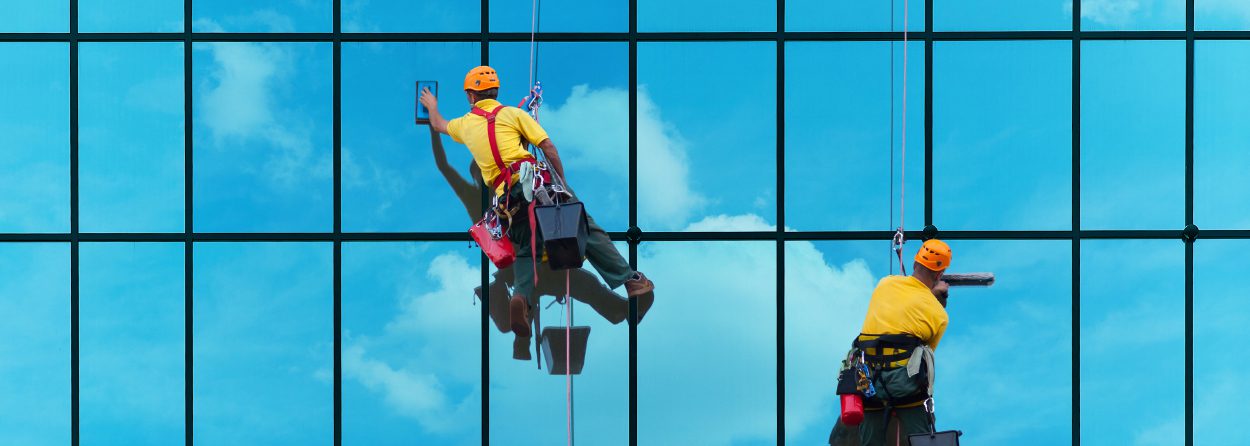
428 100
941 291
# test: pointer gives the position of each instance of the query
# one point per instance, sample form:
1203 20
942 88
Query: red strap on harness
505 176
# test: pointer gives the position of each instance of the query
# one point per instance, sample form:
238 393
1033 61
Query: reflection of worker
906 318
583 285
492 130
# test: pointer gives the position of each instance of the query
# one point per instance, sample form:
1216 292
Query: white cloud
417 387
239 106
1237 10
591 128
1109 12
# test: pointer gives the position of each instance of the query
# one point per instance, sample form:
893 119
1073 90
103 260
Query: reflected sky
707 162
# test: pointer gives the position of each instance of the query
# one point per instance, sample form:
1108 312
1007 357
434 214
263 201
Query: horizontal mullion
625 37
459 236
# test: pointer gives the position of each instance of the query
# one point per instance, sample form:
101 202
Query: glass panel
34 117
1221 138
853 15
392 181
130 152
1099 15
585 112
130 15
412 363
34 343
519 389
361 16
264 343
1219 315
1003 117
707 15
263 141
994 15
703 157
1221 14
1023 322
857 186
560 16
1132 309
25 16
1132 134
131 343
265 16
707 370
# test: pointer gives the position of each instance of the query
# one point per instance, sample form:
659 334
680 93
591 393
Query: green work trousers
600 252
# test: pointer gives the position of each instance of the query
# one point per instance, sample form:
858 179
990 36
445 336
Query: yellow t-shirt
511 124
904 305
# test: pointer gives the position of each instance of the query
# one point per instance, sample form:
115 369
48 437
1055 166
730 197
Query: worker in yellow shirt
905 321
496 135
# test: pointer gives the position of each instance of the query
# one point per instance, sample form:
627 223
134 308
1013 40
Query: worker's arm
553 157
437 122
941 291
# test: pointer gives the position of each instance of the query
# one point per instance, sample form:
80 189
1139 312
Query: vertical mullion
1076 222
188 250
1189 220
338 226
633 218
483 262
781 222
928 112
73 221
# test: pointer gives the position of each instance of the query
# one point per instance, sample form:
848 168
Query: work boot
521 348
644 304
519 317
639 285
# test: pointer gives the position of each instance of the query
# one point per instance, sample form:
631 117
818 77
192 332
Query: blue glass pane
1002 135
843 146
1221 15
35 343
707 354
994 15
1219 314
705 159
412 363
34 117
1132 135
130 15
130 133
25 16
560 16
707 15
264 343
371 16
1132 311
585 112
519 390
392 180
131 344
274 16
1024 323
853 15
1221 138
263 141
1133 15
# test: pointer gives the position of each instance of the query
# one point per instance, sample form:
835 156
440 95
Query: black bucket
944 438
554 349
565 230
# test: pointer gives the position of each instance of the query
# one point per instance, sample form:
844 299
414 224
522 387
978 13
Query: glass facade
220 225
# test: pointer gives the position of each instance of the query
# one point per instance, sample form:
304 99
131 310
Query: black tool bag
944 438
565 230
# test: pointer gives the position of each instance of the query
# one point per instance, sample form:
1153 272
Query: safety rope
568 358
899 236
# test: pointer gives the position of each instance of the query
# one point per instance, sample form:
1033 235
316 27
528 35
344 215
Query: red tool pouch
498 250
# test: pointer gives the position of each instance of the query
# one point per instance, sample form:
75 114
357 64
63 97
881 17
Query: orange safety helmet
935 255
481 78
